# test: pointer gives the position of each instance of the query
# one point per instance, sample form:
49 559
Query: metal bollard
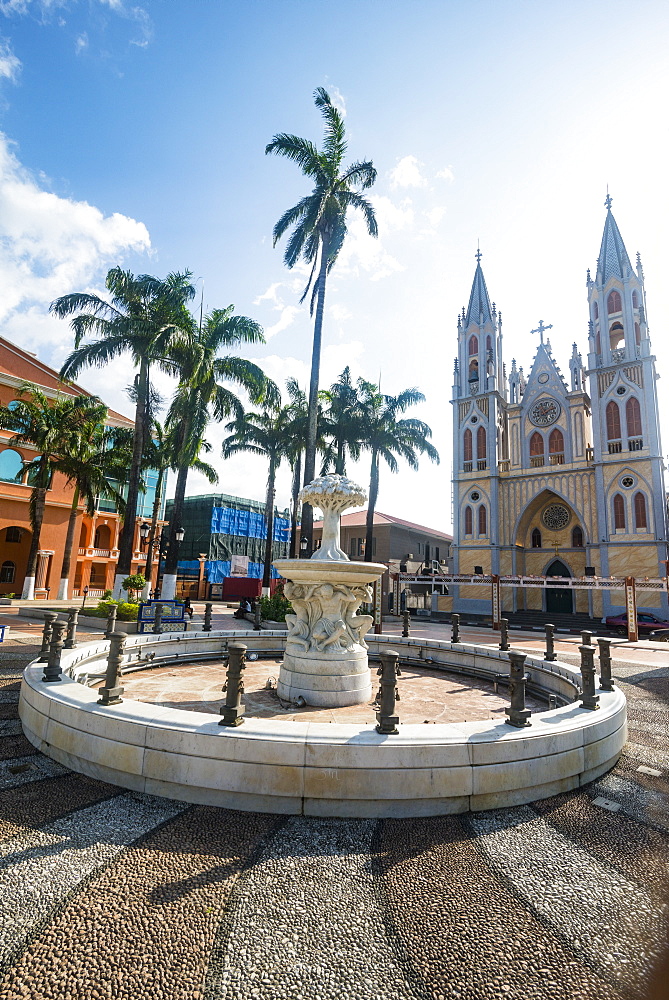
406 622
207 617
550 653
49 619
111 621
256 624
112 691
386 720
52 670
605 679
588 699
519 716
504 635
455 628
586 638
233 710
158 619
72 621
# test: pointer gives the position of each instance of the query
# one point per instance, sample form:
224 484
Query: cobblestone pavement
106 893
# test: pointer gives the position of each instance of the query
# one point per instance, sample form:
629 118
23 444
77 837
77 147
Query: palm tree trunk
269 518
168 587
312 426
340 464
28 593
297 475
371 506
148 571
127 538
64 584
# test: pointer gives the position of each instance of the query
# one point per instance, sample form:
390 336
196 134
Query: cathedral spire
479 310
613 258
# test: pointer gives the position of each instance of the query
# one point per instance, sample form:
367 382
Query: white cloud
446 174
81 43
390 215
337 99
288 314
435 215
407 173
339 312
50 246
271 295
10 65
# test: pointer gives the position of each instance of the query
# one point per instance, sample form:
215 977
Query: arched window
618 512
536 444
481 443
595 310
488 343
7 571
13 534
637 334
11 465
577 537
612 421
598 342
468 520
556 442
616 336
102 538
633 417
473 345
483 520
640 517
536 539
635 299
473 370
614 302
467 445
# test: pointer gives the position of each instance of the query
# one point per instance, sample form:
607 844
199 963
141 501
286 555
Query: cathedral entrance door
559 600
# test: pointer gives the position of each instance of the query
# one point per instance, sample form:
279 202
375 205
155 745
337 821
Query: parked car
660 635
646 623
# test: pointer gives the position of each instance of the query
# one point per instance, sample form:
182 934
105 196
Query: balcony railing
635 444
91 593
481 464
618 354
536 461
504 465
615 447
82 552
102 553
466 466
557 458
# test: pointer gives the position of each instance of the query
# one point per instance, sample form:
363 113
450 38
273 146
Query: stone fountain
325 662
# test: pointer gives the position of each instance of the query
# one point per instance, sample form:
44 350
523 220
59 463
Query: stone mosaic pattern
105 893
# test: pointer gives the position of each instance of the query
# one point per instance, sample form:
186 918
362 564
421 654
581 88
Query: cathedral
560 476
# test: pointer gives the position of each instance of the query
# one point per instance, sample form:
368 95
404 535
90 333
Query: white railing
102 553
91 593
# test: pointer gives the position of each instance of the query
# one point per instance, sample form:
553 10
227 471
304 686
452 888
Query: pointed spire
479 309
613 258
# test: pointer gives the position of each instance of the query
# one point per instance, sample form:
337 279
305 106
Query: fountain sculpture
325 662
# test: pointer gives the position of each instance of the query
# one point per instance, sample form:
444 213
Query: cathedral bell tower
629 474
479 391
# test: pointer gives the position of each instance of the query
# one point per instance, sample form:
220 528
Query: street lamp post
85 593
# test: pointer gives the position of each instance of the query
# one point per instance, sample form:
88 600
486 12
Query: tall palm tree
389 438
52 428
268 433
298 433
342 422
143 318
94 464
202 393
318 224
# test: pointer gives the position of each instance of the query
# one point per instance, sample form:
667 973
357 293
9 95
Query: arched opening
536 449
536 539
577 537
598 343
473 347
635 299
616 336
468 521
556 447
467 450
481 445
559 600
640 516
637 334
483 520
618 512
614 302
83 537
595 311
473 370
488 343
102 539
11 465
613 427
634 430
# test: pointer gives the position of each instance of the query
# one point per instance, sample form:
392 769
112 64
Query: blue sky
135 134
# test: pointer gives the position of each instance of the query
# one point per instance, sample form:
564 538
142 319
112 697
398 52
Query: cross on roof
608 200
541 329
478 256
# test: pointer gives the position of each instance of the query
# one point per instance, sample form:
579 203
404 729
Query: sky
134 135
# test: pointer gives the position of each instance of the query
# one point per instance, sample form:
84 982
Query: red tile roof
359 518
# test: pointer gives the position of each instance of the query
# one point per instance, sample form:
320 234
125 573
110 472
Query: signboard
376 607
496 603
396 594
239 565
173 620
630 608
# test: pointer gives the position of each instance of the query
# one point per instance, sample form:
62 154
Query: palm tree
298 433
386 437
342 423
143 318
318 223
52 428
268 433
201 394
95 463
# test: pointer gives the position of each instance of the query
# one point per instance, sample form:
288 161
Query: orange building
94 561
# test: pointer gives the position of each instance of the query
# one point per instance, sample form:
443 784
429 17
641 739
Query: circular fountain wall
320 769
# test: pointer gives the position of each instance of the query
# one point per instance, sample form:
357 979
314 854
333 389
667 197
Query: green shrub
134 585
276 607
127 612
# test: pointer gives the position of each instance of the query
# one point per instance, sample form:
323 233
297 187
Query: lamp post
85 593
304 545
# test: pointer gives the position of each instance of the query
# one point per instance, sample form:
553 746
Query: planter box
268 625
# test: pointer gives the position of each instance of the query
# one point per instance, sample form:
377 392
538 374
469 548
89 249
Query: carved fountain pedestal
325 662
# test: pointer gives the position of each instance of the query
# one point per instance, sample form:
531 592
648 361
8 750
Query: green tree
144 318
267 433
202 393
318 224
343 423
389 436
52 427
